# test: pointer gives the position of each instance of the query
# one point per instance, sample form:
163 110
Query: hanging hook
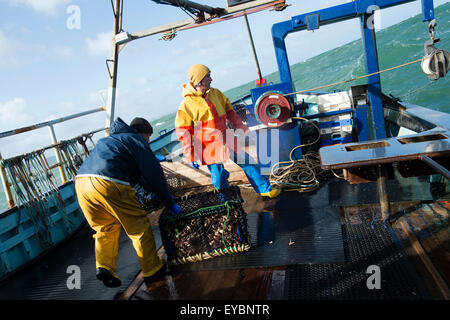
431 27
436 63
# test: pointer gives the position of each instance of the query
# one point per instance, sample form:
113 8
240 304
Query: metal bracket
122 37
313 21
107 66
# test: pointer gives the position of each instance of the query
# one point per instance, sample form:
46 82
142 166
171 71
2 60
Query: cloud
101 45
42 6
68 107
98 98
142 81
13 51
14 112
62 51
6 50
4 45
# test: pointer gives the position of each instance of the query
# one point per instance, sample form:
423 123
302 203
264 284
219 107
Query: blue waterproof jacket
125 157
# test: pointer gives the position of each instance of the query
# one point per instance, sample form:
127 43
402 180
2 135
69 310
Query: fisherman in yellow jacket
201 126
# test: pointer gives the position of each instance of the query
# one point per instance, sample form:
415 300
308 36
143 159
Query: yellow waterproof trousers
107 206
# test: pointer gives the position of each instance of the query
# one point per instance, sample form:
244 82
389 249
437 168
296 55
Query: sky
53 53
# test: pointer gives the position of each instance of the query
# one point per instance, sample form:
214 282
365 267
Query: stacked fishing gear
35 187
211 224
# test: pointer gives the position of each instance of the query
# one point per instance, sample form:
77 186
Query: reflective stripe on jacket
201 125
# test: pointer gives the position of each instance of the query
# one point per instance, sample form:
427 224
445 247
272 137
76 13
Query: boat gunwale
14 209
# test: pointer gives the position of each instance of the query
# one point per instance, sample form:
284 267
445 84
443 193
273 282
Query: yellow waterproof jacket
201 125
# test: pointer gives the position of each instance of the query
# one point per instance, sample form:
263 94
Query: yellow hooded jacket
201 125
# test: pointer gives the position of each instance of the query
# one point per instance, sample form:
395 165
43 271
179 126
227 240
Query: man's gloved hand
175 209
155 197
160 158
194 165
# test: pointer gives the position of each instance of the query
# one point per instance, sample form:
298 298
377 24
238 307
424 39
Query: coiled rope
300 175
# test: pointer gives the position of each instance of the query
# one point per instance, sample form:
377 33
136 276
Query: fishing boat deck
412 251
315 245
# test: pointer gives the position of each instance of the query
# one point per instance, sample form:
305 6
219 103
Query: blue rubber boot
259 182
219 176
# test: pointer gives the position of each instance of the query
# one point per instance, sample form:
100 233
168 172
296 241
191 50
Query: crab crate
211 224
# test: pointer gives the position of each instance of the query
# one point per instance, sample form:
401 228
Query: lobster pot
211 224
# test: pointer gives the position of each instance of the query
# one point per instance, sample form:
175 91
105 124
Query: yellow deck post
6 185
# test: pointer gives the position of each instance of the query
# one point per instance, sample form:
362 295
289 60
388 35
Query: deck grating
293 233
365 245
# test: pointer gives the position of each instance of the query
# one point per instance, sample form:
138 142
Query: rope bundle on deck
299 175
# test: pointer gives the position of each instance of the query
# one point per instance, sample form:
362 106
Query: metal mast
117 10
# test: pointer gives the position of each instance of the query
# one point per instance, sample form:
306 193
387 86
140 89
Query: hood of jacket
119 126
189 90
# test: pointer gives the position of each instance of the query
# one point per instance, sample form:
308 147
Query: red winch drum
273 109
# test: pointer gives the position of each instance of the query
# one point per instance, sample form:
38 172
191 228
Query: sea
397 44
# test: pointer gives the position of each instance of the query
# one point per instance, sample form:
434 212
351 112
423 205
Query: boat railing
56 145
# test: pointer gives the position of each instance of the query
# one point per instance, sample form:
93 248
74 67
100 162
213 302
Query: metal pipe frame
359 8
58 154
110 107
49 123
59 163
198 6
6 185
252 44
436 166
188 23
55 145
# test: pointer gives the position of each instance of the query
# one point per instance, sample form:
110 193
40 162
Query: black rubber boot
108 279
158 275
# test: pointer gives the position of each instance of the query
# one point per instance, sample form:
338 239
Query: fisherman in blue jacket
104 186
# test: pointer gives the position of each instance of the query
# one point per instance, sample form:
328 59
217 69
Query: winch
270 119
273 109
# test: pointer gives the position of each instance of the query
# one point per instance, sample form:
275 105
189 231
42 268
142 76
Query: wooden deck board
254 284
425 227
181 176
244 284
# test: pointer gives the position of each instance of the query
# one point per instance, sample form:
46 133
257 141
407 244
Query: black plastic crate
212 224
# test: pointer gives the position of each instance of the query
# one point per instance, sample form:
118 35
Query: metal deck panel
299 230
46 279
366 245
